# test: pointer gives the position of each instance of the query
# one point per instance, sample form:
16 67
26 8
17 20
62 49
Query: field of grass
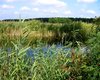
19 59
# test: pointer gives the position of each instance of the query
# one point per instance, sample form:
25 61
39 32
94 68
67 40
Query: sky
14 9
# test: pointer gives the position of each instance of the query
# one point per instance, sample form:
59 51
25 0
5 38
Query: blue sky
10 9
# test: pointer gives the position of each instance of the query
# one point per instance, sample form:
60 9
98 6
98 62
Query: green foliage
93 58
76 31
59 20
97 20
34 25
54 64
17 66
94 43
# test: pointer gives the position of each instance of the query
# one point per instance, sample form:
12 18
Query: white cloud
35 9
5 6
88 11
48 7
25 8
16 12
56 3
54 11
83 10
67 12
10 0
87 1
91 11
45 10
50 2
53 6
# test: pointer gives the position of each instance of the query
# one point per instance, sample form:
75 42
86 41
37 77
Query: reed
18 63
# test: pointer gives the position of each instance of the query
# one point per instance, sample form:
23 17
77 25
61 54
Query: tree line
55 19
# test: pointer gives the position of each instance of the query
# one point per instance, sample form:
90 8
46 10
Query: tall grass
32 32
17 66
53 64
18 63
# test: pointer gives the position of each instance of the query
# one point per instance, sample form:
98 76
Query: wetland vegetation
22 56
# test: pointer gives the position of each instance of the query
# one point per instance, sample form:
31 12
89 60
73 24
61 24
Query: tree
59 20
97 22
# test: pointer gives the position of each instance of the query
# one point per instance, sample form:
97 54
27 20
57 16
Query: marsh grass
31 32
54 64
16 38
16 65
